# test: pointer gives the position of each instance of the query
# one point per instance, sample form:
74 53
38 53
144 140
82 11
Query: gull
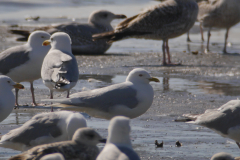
164 21
223 156
81 33
224 120
24 62
59 68
6 96
53 156
219 14
118 144
42 129
82 147
131 98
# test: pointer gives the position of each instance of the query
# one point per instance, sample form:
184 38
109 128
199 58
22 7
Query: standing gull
131 98
219 14
118 144
42 129
81 34
81 147
59 69
6 96
24 62
164 21
224 120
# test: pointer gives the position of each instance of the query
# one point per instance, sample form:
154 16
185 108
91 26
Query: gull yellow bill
46 43
154 79
18 86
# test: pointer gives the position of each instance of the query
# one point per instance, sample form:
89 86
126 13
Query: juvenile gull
222 156
118 144
6 96
24 62
82 147
164 21
224 120
219 14
59 69
81 34
131 98
42 129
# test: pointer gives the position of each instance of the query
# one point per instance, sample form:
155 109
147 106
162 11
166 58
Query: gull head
104 17
36 38
87 136
60 41
139 75
222 156
119 130
8 84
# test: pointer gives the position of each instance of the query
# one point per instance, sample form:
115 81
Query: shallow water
177 93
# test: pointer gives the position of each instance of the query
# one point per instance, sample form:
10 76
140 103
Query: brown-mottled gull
42 129
59 68
81 34
164 21
131 98
6 96
118 144
82 147
219 14
24 62
224 120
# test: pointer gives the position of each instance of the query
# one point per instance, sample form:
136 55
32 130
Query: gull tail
190 118
23 33
116 36
62 82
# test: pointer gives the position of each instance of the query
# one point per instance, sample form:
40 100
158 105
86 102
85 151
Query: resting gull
219 14
222 156
224 120
59 69
118 144
81 34
24 62
43 128
6 96
131 98
82 147
164 21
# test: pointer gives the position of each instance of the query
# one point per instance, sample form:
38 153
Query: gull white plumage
60 69
42 129
118 144
24 62
224 120
7 98
131 98
81 147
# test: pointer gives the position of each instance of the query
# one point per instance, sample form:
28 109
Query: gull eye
42 36
8 81
140 75
51 39
105 15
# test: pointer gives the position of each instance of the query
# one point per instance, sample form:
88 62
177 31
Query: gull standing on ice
7 98
59 69
81 147
224 120
219 14
24 62
164 21
42 129
81 34
131 98
118 144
